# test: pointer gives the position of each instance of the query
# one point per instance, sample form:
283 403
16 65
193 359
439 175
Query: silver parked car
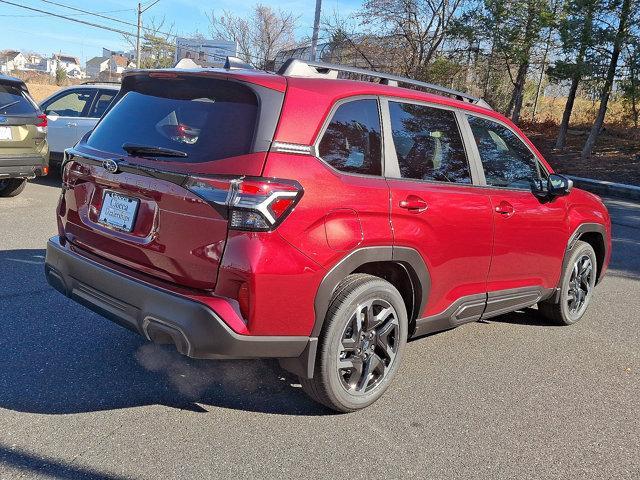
74 111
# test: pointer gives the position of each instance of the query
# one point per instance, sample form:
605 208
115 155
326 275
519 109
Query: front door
436 210
531 233
64 112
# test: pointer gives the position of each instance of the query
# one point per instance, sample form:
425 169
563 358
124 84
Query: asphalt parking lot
511 398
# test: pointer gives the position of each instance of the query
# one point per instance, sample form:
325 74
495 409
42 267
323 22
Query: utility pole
316 30
140 12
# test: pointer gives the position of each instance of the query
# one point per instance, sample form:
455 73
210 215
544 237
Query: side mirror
559 185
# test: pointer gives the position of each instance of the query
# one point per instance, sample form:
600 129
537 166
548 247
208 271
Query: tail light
42 123
255 204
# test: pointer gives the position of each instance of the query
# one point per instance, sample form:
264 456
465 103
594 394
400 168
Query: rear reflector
254 204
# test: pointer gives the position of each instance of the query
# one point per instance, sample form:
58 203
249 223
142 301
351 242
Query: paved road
512 398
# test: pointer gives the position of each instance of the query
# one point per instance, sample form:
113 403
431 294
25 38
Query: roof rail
232 63
302 68
100 82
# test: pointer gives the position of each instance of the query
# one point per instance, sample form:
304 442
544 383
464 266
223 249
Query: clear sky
22 29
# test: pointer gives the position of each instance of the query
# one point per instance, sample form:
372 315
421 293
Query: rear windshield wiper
136 149
10 104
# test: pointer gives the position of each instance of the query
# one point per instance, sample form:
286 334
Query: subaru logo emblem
3 119
110 166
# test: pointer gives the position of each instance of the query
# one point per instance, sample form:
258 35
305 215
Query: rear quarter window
13 101
208 119
352 141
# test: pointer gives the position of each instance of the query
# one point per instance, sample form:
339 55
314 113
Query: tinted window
14 102
428 143
506 160
71 104
102 103
351 142
205 118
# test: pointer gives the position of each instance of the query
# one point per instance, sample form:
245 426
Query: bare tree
414 29
157 45
260 36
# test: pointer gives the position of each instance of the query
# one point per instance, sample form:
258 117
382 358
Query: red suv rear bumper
196 329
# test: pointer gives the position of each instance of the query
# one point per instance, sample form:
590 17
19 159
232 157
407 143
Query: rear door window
351 142
74 103
13 101
207 119
428 143
102 102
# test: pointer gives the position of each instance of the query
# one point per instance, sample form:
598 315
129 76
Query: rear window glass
14 102
205 118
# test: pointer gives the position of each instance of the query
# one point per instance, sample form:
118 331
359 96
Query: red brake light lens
254 204
42 124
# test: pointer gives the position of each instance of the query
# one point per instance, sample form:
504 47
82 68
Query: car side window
103 100
506 160
75 103
428 143
352 141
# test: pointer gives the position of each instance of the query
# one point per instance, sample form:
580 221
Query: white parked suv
74 111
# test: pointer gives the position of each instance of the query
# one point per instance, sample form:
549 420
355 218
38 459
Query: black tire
330 385
12 187
561 312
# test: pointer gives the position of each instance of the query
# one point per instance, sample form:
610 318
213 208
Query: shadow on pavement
52 180
526 316
57 357
31 465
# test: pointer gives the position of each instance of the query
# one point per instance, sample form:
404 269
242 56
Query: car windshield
206 119
14 102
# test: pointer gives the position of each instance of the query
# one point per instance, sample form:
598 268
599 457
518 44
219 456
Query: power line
84 22
74 14
103 27
124 22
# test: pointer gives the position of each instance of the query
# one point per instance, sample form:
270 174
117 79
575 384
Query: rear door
436 209
64 114
19 136
530 233
162 213
101 102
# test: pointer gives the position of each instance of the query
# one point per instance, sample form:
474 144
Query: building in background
206 53
96 66
110 66
11 60
68 63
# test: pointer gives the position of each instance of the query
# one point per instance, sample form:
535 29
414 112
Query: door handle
414 204
71 124
505 208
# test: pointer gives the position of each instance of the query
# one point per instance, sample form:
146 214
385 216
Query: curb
607 189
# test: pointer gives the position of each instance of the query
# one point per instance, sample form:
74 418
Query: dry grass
616 157
550 110
39 91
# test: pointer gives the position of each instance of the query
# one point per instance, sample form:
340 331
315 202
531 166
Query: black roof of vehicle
13 81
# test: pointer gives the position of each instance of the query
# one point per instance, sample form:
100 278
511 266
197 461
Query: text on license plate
119 211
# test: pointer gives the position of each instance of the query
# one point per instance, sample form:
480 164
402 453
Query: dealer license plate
119 211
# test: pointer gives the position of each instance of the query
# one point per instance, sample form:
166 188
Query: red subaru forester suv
236 213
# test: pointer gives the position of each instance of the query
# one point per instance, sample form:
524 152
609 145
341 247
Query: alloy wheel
369 345
580 284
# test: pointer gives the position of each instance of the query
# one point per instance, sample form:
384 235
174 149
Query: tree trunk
518 91
585 36
530 36
568 108
606 89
